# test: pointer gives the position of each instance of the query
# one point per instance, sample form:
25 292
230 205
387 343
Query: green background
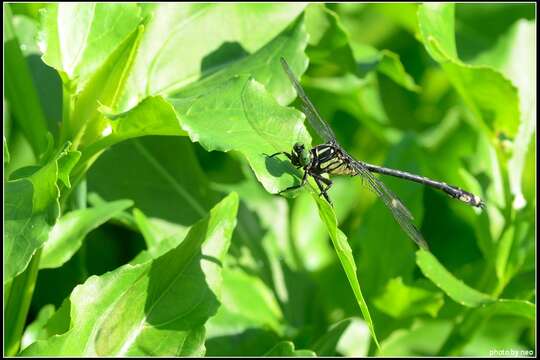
140 210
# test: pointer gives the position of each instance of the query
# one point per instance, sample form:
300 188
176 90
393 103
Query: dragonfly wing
316 121
402 215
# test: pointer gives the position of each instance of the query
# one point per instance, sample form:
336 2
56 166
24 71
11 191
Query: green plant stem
17 305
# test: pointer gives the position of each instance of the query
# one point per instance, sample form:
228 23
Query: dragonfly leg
304 178
278 153
319 180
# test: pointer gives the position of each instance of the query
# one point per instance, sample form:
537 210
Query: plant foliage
141 215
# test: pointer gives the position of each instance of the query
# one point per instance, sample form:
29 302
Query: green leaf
314 251
436 24
453 287
400 300
246 303
286 348
519 308
391 66
69 232
241 115
156 308
153 116
344 253
514 56
412 341
328 42
26 30
327 344
79 38
36 330
31 206
65 166
487 93
183 42
20 90
6 151
180 190
330 47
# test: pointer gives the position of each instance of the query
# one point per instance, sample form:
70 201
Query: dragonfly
331 158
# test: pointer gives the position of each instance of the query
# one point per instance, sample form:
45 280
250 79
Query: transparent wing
392 202
322 128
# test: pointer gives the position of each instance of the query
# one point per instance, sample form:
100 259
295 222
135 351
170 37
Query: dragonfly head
300 157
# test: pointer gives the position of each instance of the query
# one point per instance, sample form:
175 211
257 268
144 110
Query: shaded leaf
20 91
400 300
487 93
158 307
68 233
326 345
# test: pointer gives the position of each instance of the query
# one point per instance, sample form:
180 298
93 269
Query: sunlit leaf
344 253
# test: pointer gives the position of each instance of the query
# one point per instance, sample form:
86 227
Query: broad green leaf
286 348
400 300
78 38
36 330
156 308
154 116
183 42
344 253
31 208
67 235
453 287
241 115
20 90
487 93
263 65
